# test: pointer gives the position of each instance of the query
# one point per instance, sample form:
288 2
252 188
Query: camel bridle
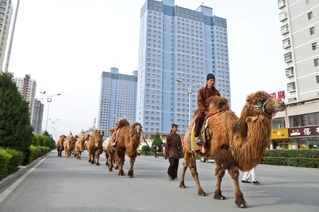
262 107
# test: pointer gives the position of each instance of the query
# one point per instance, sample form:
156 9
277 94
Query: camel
128 140
60 146
94 146
79 144
234 143
108 148
67 144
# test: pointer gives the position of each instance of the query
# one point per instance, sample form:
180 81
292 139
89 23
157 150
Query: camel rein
148 145
214 113
262 107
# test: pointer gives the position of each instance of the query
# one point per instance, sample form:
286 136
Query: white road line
5 193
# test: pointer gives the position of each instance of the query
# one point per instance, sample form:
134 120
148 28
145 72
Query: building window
284 29
307 2
289 72
317 78
314 46
281 3
291 87
288 57
316 62
309 15
286 43
312 30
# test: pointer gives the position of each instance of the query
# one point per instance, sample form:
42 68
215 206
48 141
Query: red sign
273 95
303 131
281 94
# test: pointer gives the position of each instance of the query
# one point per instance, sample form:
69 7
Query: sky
65 45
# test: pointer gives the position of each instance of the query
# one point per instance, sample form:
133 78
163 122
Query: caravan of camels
235 143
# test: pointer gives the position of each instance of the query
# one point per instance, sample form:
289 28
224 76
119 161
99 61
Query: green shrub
4 160
33 154
145 148
15 160
274 160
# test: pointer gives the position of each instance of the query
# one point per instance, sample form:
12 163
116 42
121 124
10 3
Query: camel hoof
219 197
241 203
97 164
201 193
182 185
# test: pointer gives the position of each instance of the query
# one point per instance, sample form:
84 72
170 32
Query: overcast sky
65 45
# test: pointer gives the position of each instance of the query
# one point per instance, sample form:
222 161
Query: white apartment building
27 87
300 31
181 44
117 99
5 20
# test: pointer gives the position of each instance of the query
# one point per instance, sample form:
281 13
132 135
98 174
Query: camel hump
217 103
123 123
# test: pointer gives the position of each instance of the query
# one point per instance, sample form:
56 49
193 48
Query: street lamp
49 100
189 91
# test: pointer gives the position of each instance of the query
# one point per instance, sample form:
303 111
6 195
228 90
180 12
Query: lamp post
49 100
189 91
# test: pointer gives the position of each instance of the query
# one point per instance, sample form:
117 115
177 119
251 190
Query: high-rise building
181 44
117 99
37 116
27 87
298 126
300 21
5 20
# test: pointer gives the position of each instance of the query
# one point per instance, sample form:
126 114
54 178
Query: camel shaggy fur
67 144
60 146
79 144
234 143
128 140
94 146
108 148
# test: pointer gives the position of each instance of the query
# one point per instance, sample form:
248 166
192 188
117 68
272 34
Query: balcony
286 43
289 72
291 87
281 3
284 29
283 16
288 57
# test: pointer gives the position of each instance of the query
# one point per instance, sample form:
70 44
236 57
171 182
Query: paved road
60 184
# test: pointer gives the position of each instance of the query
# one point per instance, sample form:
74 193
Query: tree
15 127
158 141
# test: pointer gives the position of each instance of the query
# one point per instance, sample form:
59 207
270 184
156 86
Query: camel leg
120 161
240 201
97 156
190 162
219 173
132 161
182 179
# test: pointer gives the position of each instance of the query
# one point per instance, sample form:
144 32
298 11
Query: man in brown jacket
172 148
203 94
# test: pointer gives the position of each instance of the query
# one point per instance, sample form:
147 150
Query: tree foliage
158 141
15 127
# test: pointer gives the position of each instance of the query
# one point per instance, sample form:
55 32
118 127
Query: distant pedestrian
172 148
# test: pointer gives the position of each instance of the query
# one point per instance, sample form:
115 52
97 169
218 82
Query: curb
7 181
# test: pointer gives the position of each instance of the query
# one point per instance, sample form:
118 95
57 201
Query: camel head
136 128
262 103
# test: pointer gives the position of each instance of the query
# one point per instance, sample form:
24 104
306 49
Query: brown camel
94 146
79 144
234 143
67 144
128 140
60 146
108 148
